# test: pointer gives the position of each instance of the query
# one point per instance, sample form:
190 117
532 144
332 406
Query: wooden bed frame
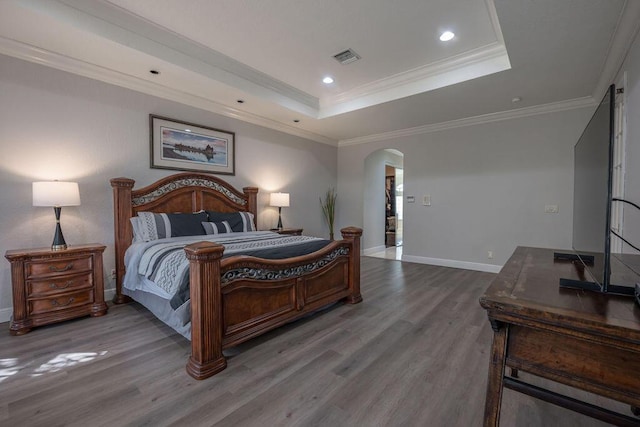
240 297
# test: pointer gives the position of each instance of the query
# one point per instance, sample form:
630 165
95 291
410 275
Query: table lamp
279 200
56 194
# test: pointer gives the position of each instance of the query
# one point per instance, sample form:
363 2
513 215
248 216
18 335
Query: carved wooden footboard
238 298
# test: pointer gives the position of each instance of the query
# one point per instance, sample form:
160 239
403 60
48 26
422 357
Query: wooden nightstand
291 231
52 286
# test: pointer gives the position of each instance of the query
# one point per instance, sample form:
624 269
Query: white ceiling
272 54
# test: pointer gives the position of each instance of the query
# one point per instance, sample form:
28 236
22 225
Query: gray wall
55 125
489 185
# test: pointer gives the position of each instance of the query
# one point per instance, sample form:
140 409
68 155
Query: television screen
598 269
592 191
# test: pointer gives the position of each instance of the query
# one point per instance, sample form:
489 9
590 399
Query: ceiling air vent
346 57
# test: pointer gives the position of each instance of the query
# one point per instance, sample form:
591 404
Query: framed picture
191 147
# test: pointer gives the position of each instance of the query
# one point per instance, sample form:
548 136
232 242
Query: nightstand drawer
38 268
44 287
60 302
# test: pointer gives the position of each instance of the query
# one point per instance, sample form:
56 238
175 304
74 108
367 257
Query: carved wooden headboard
182 192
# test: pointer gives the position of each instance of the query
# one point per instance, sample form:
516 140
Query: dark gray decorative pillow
239 221
216 227
153 226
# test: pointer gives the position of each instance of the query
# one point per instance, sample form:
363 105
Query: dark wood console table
578 338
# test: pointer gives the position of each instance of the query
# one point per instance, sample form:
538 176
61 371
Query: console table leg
496 374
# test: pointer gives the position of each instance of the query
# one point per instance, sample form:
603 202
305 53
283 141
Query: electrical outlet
113 274
426 200
490 254
551 209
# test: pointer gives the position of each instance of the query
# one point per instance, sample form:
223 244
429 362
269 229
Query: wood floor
414 353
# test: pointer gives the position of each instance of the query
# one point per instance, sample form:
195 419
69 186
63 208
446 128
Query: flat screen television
592 199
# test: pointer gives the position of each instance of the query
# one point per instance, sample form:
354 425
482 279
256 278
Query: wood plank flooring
414 353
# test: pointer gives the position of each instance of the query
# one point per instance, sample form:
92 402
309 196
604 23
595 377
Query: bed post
353 234
122 211
252 200
206 310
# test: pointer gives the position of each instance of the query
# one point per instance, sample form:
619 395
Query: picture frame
187 146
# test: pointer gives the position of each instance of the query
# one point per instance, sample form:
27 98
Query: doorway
379 218
394 185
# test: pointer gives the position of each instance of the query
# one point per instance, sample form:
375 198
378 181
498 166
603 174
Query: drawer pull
55 302
65 286
60 270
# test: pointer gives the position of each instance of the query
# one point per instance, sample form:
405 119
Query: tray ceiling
273 55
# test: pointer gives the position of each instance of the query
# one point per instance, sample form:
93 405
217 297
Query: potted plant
329 209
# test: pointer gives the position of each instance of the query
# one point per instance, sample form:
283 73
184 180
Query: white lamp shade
279 199
56 193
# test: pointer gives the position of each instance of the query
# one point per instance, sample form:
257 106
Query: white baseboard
109 293
5 313
465 265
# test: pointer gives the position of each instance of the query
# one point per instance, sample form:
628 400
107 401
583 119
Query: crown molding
470 65
624 34
127 29
495 22
119 25
466 59
485 60
572 104
54 60
61 62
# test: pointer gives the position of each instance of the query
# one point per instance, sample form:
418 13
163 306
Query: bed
238 297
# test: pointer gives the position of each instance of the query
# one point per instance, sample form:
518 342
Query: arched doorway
383 203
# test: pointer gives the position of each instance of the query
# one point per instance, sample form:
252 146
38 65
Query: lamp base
58 239
279 218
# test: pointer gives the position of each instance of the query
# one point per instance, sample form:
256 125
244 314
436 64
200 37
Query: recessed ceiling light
327 80
187 130
516 99
446 36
